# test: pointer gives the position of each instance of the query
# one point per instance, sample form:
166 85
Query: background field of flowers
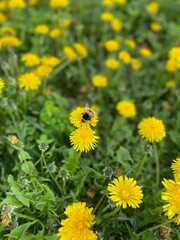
115 175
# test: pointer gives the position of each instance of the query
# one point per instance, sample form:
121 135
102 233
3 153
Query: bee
87 115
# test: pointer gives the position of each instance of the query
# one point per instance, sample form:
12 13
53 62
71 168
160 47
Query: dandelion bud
13 139
165 231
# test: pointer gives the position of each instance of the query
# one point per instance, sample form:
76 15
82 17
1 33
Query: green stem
157 226
110 214
41 161
51 174
99 202
141 166
157 165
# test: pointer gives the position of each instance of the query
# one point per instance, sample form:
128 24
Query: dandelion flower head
155 26
30 59
99 81
153 7
50 61
42 29
136 63
145 52
10 41
172 197
81 49
171 84
126 108
70 54
116 25
111 45
112 63
59 3
17 4
175 166
83 116
106 16
83 139
124 57
77 225
29 81
1 85
152 129
124 192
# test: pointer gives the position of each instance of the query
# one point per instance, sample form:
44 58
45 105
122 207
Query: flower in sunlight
126 108
83 116
152 129
124 192
29 81
83 139
78 224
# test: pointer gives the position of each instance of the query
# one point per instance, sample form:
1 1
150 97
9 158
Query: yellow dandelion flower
124 192
43 71
10 41
126 108
13 139
171 65
145 52
152 129
106 16
55 33
65 23
29 81
30 59
42 29
3 5
172 197
33 2
99 81
111 45
107 2
175 166
120 2
2 84
8 31
155 26
136 63
130 43
171 84
83 139
50 61
83 116
2 18
81 49
17 4
77 225
59 3
112 63
116 25
124 57
70 54
153 7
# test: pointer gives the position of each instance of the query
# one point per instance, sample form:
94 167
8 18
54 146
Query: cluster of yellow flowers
83 138
173 63
32 79
71 52
172 193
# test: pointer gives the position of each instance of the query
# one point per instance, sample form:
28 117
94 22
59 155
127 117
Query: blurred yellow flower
42 29
111 45
116 25
112 63
136 63
17 4
10 40
81 49
145 52
43 71
55 33
83 116
33 2
106 16
70 53
2 17
29 81
130 43
65 23
172 197
125 192
8 31
59 3
153 7
155 26
1 85
171 84
13 139
152 129
77 225
30 59
50 61
126 108
171 65
175 166
120 2
99 81
174 55
3 5
107 2
83 139
124 57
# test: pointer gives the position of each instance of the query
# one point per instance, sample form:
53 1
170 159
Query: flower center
124 194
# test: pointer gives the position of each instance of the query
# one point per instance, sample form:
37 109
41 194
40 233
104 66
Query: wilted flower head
77 225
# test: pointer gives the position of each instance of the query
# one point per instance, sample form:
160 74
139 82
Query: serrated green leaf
23 155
